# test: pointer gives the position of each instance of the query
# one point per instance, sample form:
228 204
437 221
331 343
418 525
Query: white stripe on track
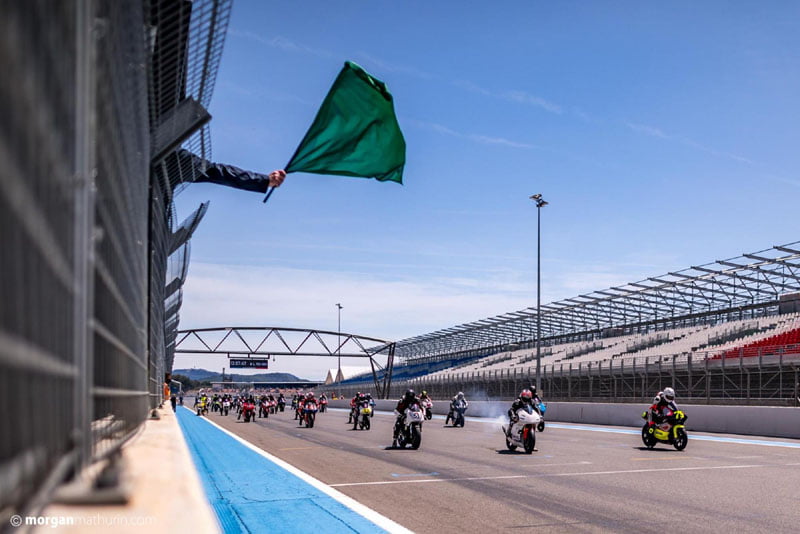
370 514
545 475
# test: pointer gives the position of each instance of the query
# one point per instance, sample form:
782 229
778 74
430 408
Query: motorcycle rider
408 399
309 403
371 401
455 401
525 399
354 407
663 402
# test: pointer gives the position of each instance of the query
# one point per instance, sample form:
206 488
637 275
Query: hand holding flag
355 133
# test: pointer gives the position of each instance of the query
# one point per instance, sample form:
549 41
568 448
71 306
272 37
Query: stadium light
339 338
540 203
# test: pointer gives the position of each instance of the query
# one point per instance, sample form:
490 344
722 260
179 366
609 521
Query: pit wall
769 421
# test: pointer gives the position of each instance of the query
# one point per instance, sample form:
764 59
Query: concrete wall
771 421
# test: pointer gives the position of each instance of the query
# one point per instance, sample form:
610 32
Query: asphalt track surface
581 479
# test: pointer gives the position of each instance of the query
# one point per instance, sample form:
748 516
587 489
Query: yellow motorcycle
672 431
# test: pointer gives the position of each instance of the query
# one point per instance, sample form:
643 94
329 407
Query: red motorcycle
263 408
248 411
309 413
323 405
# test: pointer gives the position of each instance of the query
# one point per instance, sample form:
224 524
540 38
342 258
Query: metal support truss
275 341
751 282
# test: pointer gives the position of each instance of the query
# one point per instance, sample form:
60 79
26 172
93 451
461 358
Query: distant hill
204 374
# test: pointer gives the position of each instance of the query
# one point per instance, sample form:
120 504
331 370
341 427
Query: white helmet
657 398
669 394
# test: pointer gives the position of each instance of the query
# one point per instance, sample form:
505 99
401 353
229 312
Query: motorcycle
522 432
363 417
248 411
226 406
672 431
323 405
458 413
427 406
411 431
273 406
309 414
281 404
542 408
202 408
263 410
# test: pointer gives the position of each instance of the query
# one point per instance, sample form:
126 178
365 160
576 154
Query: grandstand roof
748 281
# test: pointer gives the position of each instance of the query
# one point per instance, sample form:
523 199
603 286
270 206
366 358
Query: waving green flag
355 132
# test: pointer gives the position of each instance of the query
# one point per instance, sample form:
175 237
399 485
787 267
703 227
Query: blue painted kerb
251 494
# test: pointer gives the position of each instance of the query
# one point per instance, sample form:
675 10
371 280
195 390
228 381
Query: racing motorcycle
202 407
248 411
411 431
363 416
226 407
542 408
323 405
671 432
281 403
309 414
459 408
427 405
522 432
263 408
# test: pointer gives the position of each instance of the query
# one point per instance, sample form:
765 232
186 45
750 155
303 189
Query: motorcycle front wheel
530 441
510 446
647 438
365 423
416 438
681 440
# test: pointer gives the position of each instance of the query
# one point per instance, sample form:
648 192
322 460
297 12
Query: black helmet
409 394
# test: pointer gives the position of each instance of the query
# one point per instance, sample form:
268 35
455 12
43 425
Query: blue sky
663 135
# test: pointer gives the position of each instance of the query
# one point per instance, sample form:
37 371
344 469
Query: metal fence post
84 228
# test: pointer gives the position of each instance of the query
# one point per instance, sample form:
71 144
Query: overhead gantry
271 341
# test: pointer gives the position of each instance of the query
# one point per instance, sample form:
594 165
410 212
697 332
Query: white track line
545 475
380 520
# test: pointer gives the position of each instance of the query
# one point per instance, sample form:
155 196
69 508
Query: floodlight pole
540 203
339 339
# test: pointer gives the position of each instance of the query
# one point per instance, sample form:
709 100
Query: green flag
355 132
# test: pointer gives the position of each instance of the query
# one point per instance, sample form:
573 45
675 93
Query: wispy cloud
386 66
519 97
282 43
658 132
527 98
647 130
477 138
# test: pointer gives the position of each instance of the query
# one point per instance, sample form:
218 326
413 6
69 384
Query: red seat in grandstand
784 343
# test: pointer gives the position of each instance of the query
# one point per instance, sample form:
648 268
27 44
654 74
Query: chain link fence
86 223
699 377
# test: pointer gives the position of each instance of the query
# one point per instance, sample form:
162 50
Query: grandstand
747 308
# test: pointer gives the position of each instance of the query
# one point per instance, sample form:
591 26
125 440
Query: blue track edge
251 494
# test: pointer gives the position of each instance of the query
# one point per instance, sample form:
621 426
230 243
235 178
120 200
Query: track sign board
249 363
